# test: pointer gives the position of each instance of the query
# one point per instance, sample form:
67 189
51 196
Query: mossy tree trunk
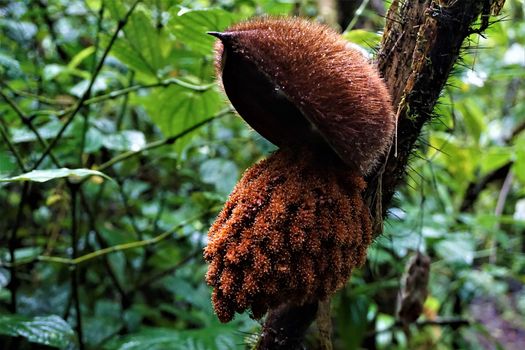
421 43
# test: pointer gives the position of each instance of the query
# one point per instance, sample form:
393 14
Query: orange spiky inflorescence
296 225
292 230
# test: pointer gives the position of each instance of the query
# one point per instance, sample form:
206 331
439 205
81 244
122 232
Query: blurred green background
127 89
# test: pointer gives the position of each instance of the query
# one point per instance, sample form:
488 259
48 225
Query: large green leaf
176 109
190 27
495 157
48 330
217 337
519 163
51 174
367 40
143 47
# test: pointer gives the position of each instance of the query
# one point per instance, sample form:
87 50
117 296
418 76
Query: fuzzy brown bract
292 230
333 91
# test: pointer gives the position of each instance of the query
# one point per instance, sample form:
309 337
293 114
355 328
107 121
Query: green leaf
494 158
24 254
216 337
51 174
473 118
7 163
277 7
116 9
47 330
190 27
127 140
176 109
145 40
221 173
363 38
519 163
143 47
79 57
10 67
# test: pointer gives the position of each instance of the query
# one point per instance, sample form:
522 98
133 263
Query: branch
112 249
117 93
13 281
152 278
86 94
28 122
74 271
11 147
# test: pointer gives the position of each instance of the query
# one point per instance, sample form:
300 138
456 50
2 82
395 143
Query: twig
151 279
475 188
11 147
43 99
27 121
86 94
112 249
74 270
51 27
127 209
124 105
100 17
167 141
13 282
117 93
357 13
93 226
13 105
500 205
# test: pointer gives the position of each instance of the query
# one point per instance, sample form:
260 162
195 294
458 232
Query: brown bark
422 41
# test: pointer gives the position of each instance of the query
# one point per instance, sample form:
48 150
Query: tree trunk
422 41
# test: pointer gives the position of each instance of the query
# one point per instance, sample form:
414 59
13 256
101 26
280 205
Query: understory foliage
118 151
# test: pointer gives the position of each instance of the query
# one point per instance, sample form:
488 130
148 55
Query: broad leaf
47 330
190 27
176 109
143 47
217 337
51 174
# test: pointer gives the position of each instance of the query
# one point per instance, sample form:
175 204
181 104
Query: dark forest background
117 150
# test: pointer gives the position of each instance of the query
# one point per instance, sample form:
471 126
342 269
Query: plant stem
119 247
74 269
13 282
12 148
117 93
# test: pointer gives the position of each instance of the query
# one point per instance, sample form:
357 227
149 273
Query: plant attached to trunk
296 225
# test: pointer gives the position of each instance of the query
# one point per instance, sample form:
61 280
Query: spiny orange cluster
292 230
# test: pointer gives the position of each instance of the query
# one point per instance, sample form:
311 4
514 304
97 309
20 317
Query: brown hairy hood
321 86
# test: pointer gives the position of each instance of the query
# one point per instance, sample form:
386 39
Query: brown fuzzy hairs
296 225
338 91
292 230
